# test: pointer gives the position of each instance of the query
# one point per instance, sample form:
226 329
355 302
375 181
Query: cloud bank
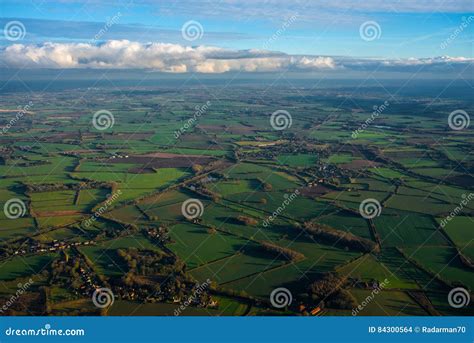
175 58
164 57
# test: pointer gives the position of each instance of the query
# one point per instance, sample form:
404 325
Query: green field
269 208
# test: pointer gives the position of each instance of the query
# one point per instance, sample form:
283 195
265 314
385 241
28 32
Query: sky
226 35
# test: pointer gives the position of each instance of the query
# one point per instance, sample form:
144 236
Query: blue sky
321 27
404 29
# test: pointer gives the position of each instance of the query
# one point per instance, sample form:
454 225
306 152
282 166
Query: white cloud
314 62
163 57
175 58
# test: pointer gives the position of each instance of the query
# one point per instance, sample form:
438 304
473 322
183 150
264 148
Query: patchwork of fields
88 207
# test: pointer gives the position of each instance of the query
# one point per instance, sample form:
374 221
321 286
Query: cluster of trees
287 253
341 237
131 286
112 231
147 262
72 271
248 221
342 299
197 168
325 286
212 230
159 234
48 187
32 163
329 291
267 187
294 145
18 245
154 277
207 193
